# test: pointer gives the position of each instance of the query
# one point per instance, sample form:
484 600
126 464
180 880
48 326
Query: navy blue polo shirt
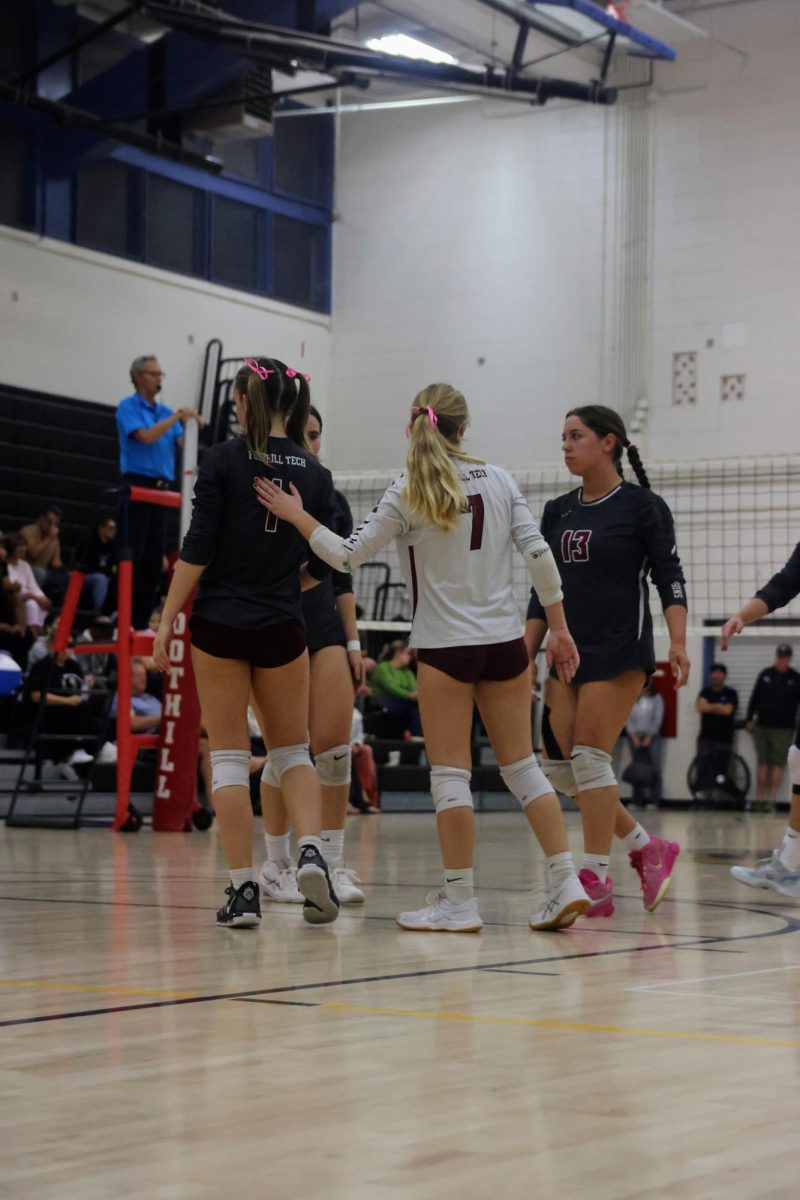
156 459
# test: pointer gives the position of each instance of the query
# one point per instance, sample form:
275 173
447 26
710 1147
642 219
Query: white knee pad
526 780
270 776
230 768
283 758
592 768
450 788
793 762
333 766
559 772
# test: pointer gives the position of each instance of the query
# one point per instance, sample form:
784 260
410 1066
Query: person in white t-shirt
456 522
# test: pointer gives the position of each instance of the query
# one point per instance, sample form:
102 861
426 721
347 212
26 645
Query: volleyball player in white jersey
337 668
456 522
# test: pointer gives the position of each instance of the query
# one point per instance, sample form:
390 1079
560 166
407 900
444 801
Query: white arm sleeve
534 549
386 522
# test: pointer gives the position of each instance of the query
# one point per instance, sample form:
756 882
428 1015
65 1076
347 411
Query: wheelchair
719 778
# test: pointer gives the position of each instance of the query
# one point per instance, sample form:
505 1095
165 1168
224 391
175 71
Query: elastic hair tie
291 373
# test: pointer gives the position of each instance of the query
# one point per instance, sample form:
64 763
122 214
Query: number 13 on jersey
575 545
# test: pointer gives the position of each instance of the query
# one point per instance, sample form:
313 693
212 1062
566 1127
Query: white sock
559 867
242 875
309 840
333 841
597 863
789 853
636 839
278 851
459 885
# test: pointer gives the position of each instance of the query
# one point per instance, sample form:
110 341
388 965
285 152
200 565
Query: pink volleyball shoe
653 864
601 894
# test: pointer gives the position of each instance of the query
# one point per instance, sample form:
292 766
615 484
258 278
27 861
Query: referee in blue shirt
148 432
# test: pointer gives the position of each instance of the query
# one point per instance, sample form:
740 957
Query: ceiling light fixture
408 47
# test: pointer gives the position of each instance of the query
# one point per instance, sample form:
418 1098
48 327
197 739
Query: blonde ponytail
433 488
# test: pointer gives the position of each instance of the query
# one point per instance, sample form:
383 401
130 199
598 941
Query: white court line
717 996
651 987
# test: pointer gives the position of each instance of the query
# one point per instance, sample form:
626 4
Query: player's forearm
346 608
676 618
535 631
556 618
752 611
184 580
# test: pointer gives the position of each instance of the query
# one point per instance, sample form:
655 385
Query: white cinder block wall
469 248
72 320
727 232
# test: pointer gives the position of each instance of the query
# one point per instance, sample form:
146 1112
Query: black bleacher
55 450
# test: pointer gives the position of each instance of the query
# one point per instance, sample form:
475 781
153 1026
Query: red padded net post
176 777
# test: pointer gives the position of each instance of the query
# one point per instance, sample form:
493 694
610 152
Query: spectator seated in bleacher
101 666
98 558
41 646
146 718
394 689
36 605
44 552
60 679
14 637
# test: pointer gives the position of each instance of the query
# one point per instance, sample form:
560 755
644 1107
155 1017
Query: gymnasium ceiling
146 69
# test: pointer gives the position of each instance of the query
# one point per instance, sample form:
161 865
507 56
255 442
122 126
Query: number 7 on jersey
476 507
271 525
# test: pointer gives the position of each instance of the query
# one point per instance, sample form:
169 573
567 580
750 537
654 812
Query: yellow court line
44 985
474 1017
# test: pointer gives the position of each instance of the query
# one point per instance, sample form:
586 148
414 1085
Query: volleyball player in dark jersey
781 871
247 626
607 536
337 666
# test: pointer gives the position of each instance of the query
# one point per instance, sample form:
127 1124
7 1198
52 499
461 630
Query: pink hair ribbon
291 373
432 417
262 372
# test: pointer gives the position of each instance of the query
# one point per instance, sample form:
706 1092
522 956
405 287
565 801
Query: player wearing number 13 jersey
605 549
457 522
607 536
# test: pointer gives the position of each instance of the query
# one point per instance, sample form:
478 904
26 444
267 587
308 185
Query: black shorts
333 641
494 662
272 646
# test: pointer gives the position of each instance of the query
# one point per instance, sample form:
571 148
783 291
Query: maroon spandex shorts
494 662
272 646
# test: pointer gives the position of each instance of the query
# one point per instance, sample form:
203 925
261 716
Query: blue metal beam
597 13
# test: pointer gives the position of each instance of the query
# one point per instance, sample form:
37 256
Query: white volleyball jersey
460 582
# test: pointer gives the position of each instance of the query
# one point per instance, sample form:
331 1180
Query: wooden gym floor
147 1054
